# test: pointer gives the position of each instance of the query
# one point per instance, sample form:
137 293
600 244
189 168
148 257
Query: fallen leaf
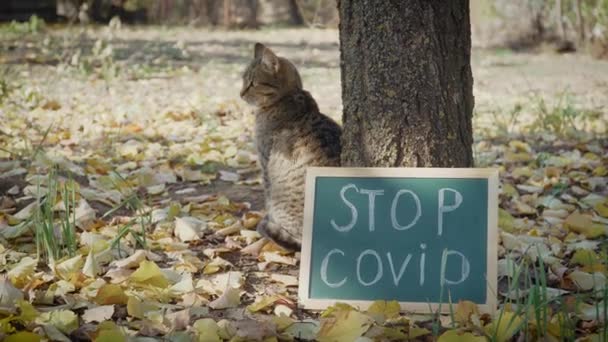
9 294
251 330
382 310
90 268
306 330
138 308
207 330
111 294
262 303
454 335
343 325
602 208
587 281
84 214
583 224
229 299
64 320
216 265
23 336
188 228
286 280
109 332
504 326
464 310
98 314
69 267
132 261
149 273
179 320
22 271
278 258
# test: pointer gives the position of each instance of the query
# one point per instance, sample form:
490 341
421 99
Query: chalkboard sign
422 236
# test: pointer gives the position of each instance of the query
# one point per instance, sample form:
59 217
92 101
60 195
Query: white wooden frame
492 253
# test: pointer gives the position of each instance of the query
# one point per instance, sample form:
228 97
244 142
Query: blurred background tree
562 25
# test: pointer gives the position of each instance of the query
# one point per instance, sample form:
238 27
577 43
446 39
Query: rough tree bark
406 83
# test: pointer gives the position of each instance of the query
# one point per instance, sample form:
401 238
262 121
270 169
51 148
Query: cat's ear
258 50
270 60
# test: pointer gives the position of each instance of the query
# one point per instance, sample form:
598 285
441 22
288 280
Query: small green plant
562 118
34 25
5 88
134 203
55 236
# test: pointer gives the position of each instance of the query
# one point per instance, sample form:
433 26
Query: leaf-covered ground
129 188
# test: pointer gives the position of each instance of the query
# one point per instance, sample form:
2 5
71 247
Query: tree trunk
580 22
559 16
227 13
406 83
295 13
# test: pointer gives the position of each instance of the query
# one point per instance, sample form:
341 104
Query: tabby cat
291 134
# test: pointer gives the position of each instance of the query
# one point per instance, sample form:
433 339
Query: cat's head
268 78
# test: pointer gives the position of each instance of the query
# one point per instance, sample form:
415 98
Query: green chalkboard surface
418 236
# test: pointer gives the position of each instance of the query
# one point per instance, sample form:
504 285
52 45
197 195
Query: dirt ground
216 59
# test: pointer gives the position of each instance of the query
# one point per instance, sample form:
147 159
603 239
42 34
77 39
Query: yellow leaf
510 190
600 171
602 208
464 310
552 171
520 172
382 310
585 257
524 208
343 326
227 330
336 307
148 273
583 224
22 271
416 332
66 269
111 294
64 320
110 336
263 303
270 339
23 336
519 146
207 330
215 265
504 326
138 308
515 157
558 327
506 221
51 105
455 336
108 331
28 312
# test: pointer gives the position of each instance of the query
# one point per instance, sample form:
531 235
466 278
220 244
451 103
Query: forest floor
139 133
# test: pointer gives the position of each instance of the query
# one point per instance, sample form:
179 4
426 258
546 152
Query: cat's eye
264 84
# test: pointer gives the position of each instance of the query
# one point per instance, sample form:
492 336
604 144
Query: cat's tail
279 235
